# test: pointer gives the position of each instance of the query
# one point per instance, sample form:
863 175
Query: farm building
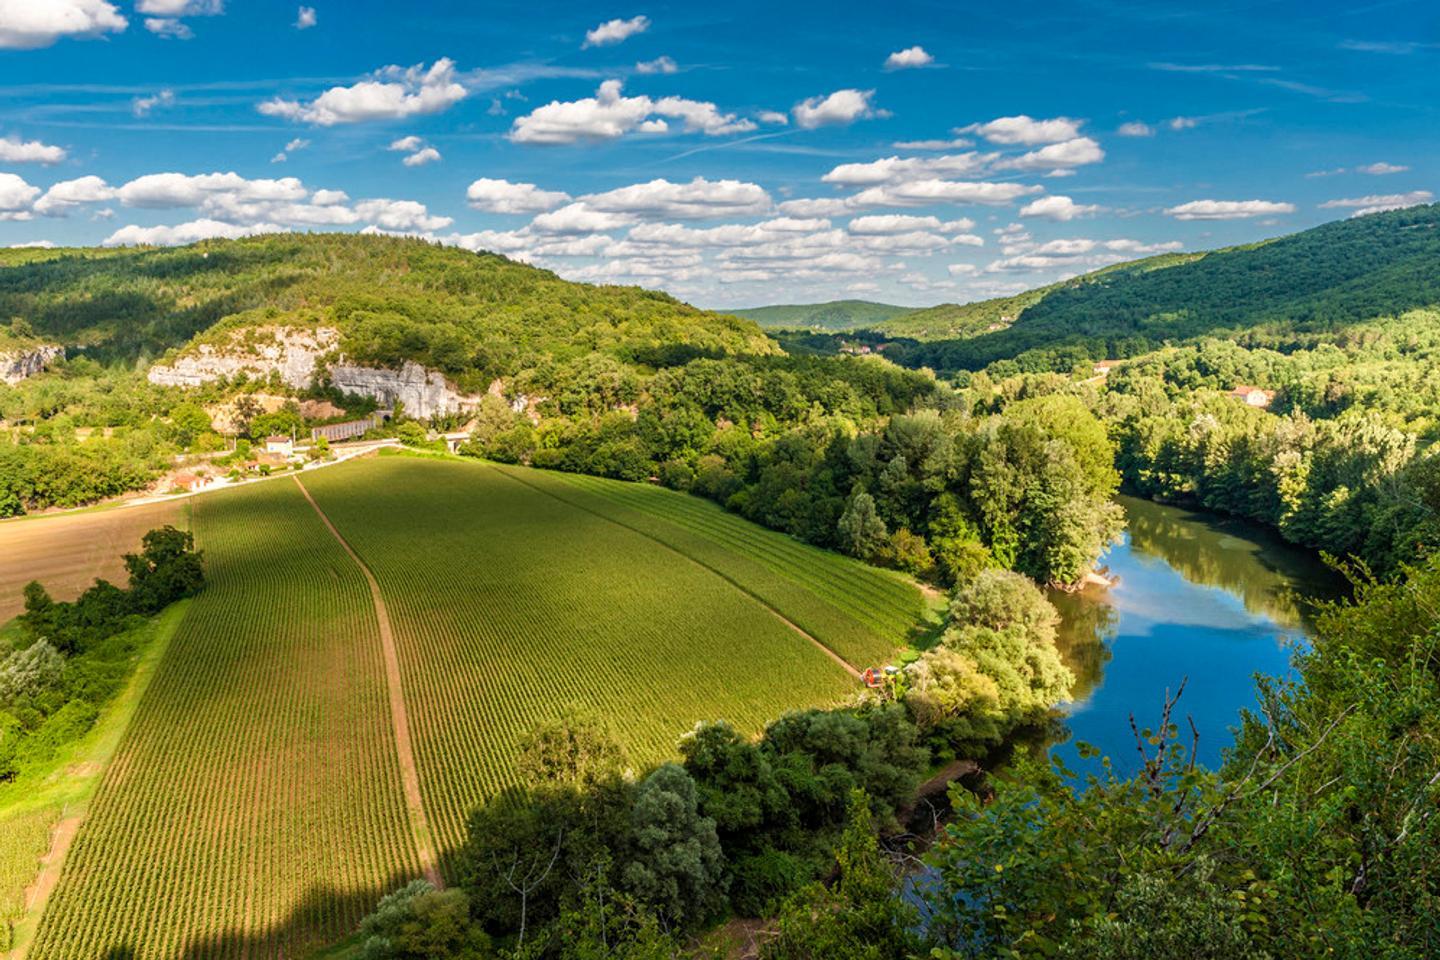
284 446
348 430
187 482
1253 396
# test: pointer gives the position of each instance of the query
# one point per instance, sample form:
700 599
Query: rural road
399 716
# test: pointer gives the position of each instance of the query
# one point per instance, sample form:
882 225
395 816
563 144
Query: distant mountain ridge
1304 285
833 316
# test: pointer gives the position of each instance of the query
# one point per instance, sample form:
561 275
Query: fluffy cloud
909 57
921 192
142 106
658 65
183 233
892 223
817 207
898 169
66 195
1027 131
167 190
1057 156
15 150
1056 208
699 199
305 18
840 107
419 152
1228 209
29 24
1135 129
1183 123
1377 203
400 215
393 93
421 157
16 196
773 116
502 196
610 114
578 218
616 31
1075 254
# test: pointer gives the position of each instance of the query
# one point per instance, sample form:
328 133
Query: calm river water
1199 597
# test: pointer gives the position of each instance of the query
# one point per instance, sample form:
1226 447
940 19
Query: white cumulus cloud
183 233
1228 209
909 57
1056 207
15 150
16 196
615 31
1381 169
502 196
1379 202
1026 130
392 93
305 19
840 107
1057 156
699 199
400 215
916 193
30 24
169 28
66 195
896 169
1135 129
610 114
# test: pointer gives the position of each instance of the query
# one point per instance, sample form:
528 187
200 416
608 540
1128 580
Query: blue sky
732 154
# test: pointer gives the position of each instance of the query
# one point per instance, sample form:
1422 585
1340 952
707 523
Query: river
1200 598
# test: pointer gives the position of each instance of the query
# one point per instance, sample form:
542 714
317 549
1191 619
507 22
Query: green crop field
513 599
256 806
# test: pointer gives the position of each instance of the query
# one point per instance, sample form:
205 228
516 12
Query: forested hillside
1294 288
394 299
836 315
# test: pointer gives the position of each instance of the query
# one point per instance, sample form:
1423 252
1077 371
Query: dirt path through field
844 664
399 717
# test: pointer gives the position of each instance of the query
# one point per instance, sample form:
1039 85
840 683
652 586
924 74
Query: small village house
1253 396
284 446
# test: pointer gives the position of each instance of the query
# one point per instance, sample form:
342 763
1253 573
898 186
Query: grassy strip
32 806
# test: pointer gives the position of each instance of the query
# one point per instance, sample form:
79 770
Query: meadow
256 805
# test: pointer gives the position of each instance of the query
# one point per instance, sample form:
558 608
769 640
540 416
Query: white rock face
298 356
294 354
424 393
15 367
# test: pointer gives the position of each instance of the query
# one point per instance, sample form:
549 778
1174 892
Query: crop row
861 612
254 807
510 605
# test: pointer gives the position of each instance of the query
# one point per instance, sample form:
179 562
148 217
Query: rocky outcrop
303 357
423 393
257 353
15 367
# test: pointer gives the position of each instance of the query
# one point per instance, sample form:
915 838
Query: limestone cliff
17 365
258 352
304 357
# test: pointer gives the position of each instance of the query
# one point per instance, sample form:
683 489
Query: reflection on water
1199 597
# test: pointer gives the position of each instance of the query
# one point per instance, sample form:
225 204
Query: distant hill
956 320
391 299
1311 283
837 315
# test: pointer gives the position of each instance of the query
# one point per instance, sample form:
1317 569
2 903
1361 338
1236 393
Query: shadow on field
321 919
